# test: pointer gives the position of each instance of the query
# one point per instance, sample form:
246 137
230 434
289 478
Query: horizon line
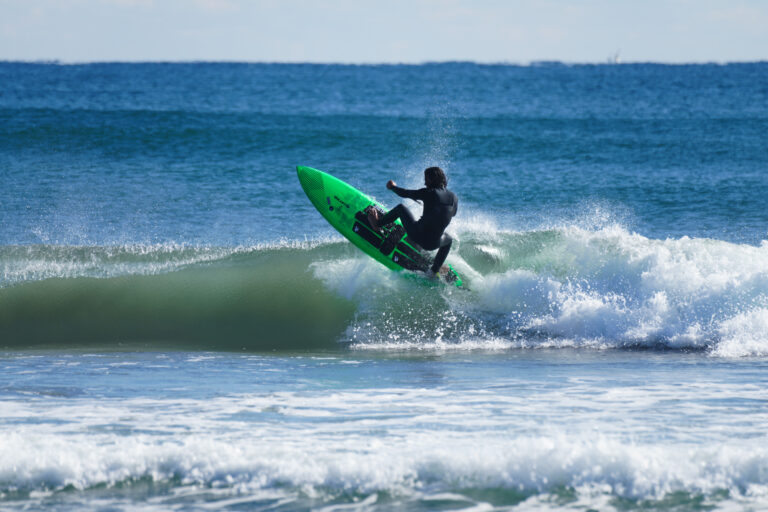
530 63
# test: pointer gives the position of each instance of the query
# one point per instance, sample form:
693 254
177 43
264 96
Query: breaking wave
567 286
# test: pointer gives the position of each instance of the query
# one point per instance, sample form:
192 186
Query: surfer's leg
405 216
442 253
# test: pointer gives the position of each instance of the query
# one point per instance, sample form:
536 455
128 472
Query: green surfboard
345 208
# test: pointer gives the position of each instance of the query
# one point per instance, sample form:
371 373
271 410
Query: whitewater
383 432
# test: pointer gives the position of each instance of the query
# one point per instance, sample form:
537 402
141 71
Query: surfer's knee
400 207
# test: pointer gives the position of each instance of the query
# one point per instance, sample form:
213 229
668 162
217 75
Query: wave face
566 286
211 298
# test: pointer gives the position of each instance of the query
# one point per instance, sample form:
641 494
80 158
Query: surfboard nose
307 174
311 181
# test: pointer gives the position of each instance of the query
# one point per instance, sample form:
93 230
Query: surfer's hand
391 184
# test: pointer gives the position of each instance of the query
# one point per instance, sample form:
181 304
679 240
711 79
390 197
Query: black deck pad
366 233
392 238
408 263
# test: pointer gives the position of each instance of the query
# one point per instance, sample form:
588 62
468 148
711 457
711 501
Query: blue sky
364 31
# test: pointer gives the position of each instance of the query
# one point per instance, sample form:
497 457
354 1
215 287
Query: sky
384 31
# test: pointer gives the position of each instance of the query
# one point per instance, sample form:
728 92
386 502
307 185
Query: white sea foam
619 287
438 345
744 334
611 287
368 441
356 278
529 464
574 287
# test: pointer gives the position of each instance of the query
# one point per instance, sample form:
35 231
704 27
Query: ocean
181 330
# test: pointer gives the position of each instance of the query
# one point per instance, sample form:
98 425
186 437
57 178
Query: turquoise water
180 329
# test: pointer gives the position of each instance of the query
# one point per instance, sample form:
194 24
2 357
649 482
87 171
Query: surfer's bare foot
373 219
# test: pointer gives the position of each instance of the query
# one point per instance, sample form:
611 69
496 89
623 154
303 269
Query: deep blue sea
180 329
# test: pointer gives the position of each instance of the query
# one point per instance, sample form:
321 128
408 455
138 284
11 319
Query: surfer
440 206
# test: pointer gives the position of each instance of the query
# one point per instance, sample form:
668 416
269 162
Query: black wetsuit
440 206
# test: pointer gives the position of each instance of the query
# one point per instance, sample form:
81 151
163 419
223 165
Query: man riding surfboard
440 205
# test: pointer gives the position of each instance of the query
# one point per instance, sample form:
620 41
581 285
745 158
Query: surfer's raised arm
416 195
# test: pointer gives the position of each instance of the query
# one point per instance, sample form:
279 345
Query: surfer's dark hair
434 177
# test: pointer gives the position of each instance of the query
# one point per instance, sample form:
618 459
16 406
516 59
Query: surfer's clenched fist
391 184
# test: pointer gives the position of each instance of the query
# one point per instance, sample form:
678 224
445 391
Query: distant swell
560 287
